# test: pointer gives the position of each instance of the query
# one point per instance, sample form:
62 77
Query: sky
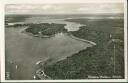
65 8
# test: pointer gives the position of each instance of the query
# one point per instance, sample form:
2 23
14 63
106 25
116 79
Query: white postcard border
2 38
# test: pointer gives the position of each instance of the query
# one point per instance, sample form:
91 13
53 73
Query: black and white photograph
64 41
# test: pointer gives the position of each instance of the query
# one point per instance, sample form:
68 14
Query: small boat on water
36 35
16 67
38 62
34 77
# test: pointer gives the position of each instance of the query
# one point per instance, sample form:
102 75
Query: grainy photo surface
64 41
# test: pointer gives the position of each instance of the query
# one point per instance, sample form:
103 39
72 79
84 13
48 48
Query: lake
23 50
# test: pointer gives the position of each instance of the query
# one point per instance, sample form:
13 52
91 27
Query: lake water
23 51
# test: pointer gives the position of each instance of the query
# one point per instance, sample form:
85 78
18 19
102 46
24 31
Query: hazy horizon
66 9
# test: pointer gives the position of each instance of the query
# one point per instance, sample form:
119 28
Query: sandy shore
90 42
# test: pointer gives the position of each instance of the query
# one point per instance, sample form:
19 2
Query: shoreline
80 39
37 36
41 75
